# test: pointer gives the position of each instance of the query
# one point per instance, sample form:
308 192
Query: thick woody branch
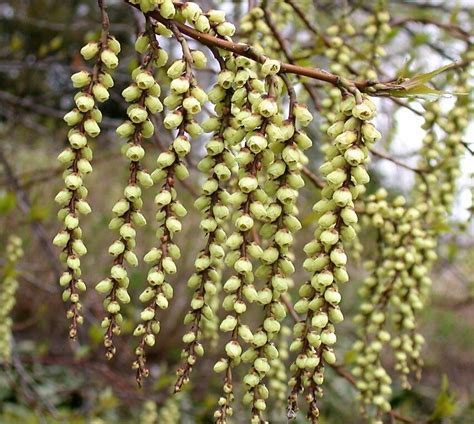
246 50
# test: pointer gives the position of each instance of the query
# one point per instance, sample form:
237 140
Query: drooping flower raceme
8 288
84 121
346 176
143 96
184 102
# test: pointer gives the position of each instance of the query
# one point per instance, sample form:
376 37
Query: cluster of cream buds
340 56
376 30
393 294
212 21
217 164
426 190
277 376
8 287
284 180
253 111
452 148
169 412
149 413
346 176
256 32
338 52
184 101
84 120
143 96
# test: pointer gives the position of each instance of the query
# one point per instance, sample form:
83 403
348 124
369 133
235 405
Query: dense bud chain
252 167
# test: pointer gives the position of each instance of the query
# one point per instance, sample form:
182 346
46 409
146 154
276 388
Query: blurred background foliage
54 381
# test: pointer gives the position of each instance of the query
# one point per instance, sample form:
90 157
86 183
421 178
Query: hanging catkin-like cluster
346 176
217 164
251 177
84 121
184 101
393 294
8 288
143 96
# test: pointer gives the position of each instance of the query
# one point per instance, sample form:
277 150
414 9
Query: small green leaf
7 202
421 79
445 405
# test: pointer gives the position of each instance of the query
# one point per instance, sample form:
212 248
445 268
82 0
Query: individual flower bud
63 197
226 29
73 117
354 156
233 349
61 239
244 223
144 81
360 174
302 114
228 324
192 105
141 44
270 67
216 16
271 325
221 365
173 120
116 248
90 50
153 104
199 59
370 133
329 357
127 232
147 314
77 139
106 80
337 178
363 111
84 102
83 207
328 338
161 58
147 129
167 9
256 143
342 197
80 79
79 247
335 129
71 221
193 128
180 85
113 44
125 130
137 114
169 266
91 128
248 184
73 181
243 266
346 139
332 296
100 92
335 315
66 156
135 153
109 58
104 286
202 24
268 107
